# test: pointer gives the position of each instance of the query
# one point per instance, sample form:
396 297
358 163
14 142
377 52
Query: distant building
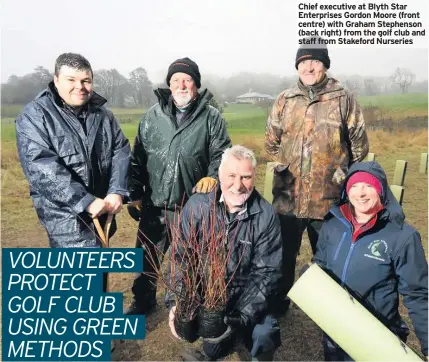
253 97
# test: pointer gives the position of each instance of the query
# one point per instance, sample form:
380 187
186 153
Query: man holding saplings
248 232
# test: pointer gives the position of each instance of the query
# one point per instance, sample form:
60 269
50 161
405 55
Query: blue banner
54 307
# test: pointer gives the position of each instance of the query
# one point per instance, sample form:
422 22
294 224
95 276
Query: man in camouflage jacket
314 133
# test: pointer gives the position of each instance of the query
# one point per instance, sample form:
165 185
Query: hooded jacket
168 158
57 157
384 261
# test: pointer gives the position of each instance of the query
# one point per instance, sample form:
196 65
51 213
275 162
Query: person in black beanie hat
187 66
313 51
177 152
314 133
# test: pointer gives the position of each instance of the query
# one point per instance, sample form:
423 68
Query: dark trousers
154 236
261 340
292 229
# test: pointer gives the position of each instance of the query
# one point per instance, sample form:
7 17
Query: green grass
399 106
246 118
415 101
11 111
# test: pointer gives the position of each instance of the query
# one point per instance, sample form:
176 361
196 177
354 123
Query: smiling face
237 180
311 71
365 200
182 88
74 86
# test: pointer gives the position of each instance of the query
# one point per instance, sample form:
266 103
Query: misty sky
223 36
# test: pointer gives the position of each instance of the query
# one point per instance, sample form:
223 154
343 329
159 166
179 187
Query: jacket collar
313 90
164 99
332 85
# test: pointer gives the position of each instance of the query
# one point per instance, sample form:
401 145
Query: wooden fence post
398 192
400 170
268 186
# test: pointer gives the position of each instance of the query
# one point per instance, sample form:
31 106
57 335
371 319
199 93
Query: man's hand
205 185
234 321
229 331
113 203
96 208
171 322
135 209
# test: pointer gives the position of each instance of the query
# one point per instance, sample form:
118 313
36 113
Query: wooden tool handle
104 234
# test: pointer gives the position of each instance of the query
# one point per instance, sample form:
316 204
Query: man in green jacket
177 151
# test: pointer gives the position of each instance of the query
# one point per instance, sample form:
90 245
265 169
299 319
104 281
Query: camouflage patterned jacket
313 144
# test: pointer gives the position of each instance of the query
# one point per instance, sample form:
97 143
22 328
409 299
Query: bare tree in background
111 85
352 86
370 87
403 78
141 86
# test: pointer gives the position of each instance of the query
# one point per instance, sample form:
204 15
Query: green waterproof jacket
168 158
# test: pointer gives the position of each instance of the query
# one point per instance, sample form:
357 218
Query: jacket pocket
64 146
59 221
332 181
67 151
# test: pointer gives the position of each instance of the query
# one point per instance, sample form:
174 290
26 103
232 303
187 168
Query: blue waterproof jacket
60 160
384 261
253 240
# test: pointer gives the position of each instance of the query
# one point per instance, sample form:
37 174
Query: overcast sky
223 36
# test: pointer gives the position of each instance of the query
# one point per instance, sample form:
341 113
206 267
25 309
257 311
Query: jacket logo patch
378 249
245 242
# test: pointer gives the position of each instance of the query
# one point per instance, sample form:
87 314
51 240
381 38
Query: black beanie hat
316 50
185 65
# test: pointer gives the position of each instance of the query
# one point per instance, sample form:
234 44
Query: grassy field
399 106
301 338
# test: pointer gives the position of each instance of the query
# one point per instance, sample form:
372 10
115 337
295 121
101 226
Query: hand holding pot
171 322
229 331
235 321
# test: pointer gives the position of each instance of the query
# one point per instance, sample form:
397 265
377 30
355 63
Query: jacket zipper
349 254
339 246
343 276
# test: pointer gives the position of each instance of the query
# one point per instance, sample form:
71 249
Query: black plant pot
186 328
210 323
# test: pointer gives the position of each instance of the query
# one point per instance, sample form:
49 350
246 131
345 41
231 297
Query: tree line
136 89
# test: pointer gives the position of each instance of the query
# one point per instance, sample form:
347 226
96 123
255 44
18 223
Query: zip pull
310 93
226 236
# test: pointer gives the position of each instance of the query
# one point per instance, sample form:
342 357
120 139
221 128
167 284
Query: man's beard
182 98
239 199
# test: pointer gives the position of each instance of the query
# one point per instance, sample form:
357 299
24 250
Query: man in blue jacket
369 248
253 243
74 155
